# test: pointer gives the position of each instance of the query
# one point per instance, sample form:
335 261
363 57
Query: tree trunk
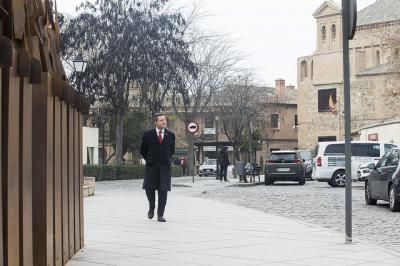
118 139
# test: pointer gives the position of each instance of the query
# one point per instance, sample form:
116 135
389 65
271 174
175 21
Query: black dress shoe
150 214
161 219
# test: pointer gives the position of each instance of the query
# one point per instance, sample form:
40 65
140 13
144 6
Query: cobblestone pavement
319 204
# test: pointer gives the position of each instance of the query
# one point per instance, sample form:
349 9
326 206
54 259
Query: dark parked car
307 156
383 183
284 166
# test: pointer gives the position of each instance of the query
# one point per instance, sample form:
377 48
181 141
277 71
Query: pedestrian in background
223 161
157 148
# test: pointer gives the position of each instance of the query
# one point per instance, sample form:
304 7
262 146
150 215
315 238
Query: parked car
363 171
330 161
383 183
208 167
284 166
307 156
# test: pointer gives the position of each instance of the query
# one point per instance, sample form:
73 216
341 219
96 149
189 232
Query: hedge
121 172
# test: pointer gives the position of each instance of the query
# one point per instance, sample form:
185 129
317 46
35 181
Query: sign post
192 128
349 18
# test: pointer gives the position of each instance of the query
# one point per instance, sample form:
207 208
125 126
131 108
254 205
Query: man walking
223 161
157 148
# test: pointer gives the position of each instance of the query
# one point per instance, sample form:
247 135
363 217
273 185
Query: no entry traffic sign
192 127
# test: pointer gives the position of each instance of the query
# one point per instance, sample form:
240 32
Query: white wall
389 133
90 139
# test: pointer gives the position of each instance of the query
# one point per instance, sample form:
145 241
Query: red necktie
160 136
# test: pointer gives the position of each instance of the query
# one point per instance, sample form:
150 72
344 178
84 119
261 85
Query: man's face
161 122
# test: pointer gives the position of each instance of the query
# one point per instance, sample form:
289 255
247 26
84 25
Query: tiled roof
378 12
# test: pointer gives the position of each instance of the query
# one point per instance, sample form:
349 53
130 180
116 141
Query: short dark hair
156 115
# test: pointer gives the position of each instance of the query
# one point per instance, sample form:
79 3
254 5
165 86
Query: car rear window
283 156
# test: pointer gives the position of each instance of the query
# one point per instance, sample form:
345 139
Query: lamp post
79 67
216 144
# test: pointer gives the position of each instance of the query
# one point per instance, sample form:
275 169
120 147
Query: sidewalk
205 232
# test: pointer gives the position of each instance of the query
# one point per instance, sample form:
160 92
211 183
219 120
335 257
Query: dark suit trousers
223 172
162 200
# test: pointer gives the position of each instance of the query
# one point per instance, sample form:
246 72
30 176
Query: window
377 58
333 32
326 138
283 157
334 149
303 70
90 155
323 33
395 158
365 150
274 120
209 122
327 100
312 70
388 147
296 122
383 160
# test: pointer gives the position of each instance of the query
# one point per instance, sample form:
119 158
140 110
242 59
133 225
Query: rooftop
379 12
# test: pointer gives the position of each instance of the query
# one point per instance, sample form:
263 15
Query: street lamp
216 144
79 67
79 63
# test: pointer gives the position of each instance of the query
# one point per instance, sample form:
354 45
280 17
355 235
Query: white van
329 163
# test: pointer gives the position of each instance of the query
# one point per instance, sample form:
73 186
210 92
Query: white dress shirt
162 134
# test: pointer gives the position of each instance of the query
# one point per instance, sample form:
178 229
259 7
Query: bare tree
215 61
237 105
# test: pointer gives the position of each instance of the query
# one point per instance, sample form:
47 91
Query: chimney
280 87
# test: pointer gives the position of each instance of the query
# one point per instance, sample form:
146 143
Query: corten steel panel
57 184
26 171
50 173
10 112
81 182
42 166
64 180
77 151
1 170
71 181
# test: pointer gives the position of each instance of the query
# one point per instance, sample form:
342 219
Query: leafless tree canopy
237 105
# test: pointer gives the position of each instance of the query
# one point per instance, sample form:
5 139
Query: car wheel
200 175
302 181
268 181
394 200
339 179
368 199
330 183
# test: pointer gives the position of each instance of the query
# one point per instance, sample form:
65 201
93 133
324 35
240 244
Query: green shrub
121 172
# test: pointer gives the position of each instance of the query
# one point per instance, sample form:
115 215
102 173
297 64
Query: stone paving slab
206 232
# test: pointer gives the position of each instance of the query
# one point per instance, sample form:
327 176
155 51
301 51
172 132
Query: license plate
283 169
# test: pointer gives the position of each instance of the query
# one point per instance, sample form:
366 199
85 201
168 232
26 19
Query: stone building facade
374 73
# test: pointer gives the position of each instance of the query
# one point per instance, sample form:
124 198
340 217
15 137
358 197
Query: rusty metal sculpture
41 157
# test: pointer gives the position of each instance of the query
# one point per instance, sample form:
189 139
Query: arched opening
323 33
312 70
333 32
303 70
377 58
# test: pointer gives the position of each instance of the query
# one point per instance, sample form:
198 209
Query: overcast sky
271 33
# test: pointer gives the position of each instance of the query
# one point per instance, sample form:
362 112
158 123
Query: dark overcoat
158 159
